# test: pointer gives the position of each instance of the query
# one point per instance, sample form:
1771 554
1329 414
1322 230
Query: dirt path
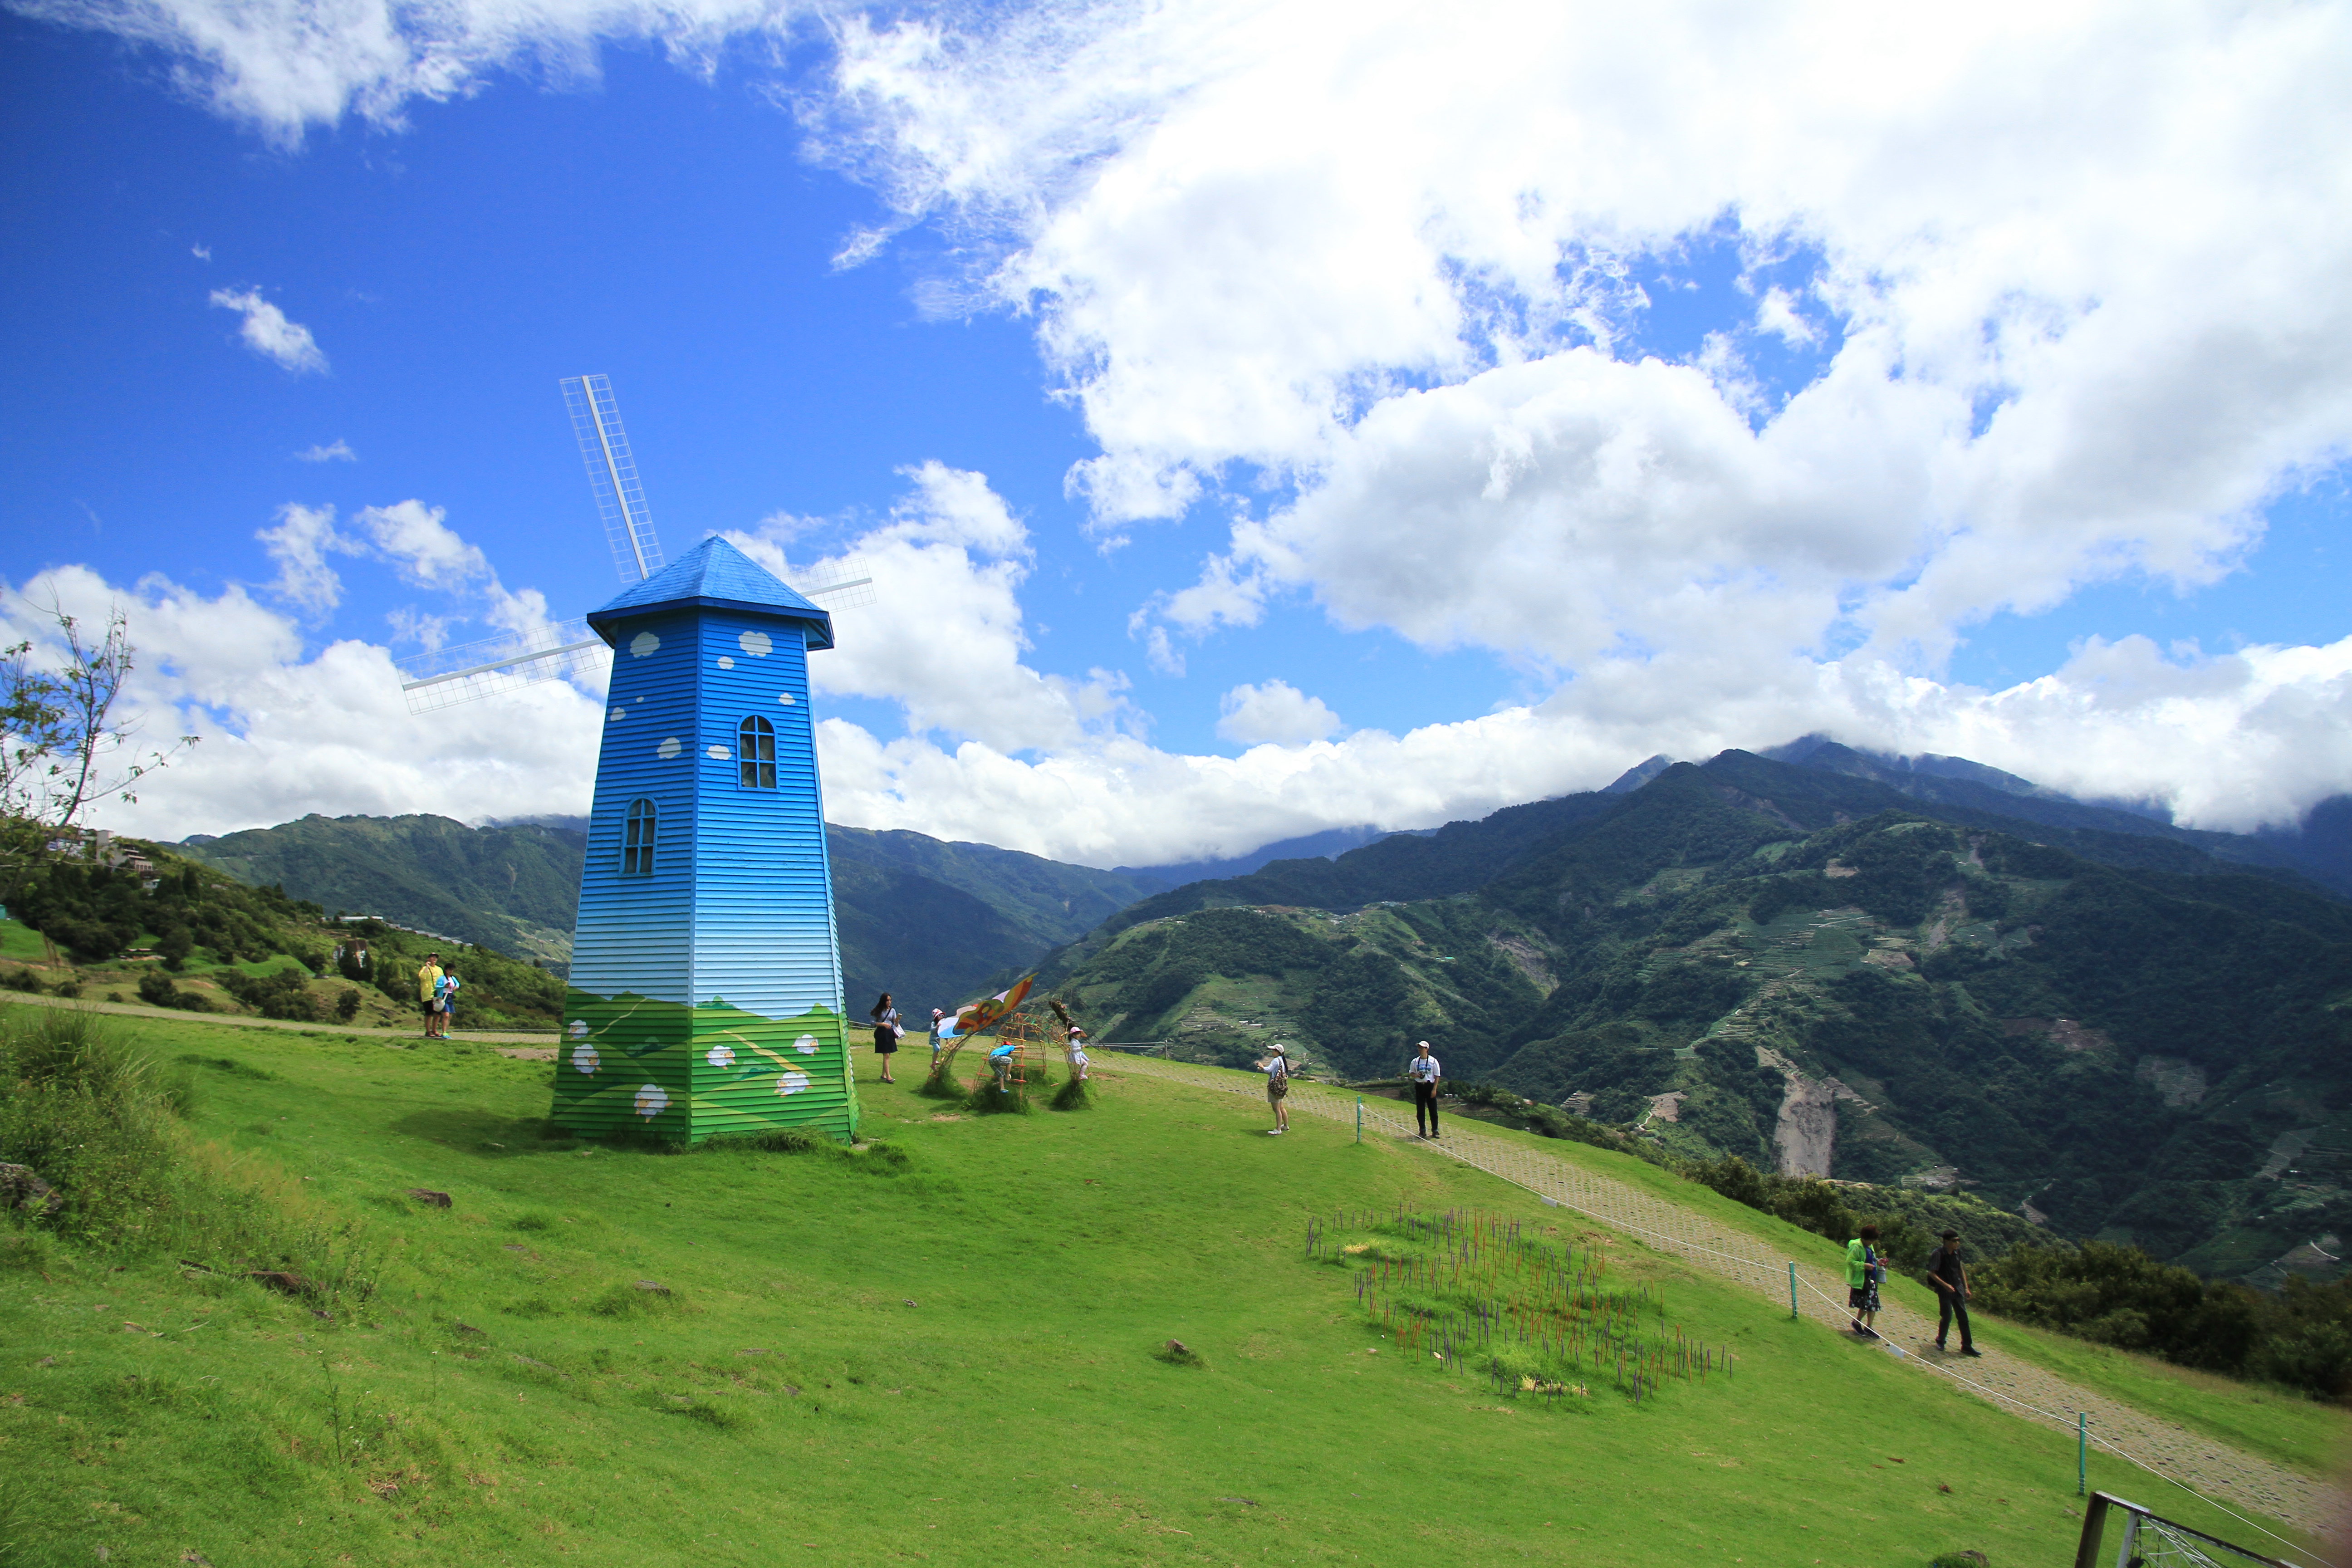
174 1014
2017 1386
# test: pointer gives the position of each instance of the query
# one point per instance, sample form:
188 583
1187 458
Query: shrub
347 1004
156 990
278 994
22 980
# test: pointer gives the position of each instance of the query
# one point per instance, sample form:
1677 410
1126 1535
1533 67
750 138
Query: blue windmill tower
705 994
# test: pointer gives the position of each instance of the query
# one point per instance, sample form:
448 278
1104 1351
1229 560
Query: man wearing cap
1951 1283
1276 1068
1423 1070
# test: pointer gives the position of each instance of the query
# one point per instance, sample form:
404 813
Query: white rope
1338 1107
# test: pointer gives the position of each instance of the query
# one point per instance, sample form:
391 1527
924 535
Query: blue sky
1832 487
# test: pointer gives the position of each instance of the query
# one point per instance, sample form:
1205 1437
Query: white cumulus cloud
300 542
286 731
954 554
268 333
1276 713
427 551
284 68
337 451
2077 277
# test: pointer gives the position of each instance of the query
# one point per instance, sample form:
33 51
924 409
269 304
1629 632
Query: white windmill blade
612 475
452 675
841 584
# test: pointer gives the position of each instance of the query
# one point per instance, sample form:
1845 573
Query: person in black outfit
886 1030
1423 1071
1951 1283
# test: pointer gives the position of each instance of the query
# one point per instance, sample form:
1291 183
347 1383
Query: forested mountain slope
928 920
2115 1031
2316 848
512 888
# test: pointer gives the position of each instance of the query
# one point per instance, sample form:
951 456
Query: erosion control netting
1528 1313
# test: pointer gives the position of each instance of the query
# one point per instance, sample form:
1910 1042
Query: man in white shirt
1424 1071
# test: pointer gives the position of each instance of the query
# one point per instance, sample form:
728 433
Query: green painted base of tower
630 1065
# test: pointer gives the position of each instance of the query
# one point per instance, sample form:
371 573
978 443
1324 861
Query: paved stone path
2012 1385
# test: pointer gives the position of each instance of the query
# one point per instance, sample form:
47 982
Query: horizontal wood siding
624 1063
734 931
634 934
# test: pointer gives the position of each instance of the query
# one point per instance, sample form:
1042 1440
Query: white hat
1424 1045
1275 1049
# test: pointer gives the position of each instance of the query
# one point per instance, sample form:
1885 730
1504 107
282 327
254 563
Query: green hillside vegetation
930 921
181 934
2125 1037
513 888
951 1344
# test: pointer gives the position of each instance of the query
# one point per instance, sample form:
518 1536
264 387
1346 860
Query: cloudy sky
1258 417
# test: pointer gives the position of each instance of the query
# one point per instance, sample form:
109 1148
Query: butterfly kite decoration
978 1017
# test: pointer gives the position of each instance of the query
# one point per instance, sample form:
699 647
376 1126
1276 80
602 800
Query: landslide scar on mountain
1805 1135
1527 960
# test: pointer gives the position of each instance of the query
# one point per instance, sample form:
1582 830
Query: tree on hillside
64 745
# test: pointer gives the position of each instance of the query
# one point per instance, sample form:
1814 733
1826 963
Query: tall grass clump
101 1123
91 1116
987 1099
942 1083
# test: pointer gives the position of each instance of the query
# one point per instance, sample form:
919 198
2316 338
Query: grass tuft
776 1141
1176 1353
641 1296
229 1065
725 1417
987 1099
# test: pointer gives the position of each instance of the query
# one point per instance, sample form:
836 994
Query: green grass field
938 1350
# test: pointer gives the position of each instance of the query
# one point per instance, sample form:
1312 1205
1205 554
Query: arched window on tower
755 754
637 840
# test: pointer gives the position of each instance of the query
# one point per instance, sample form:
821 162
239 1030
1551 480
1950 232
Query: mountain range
927 919
1898 970
2085 1016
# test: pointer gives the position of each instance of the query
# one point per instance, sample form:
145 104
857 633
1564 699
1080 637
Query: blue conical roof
715 575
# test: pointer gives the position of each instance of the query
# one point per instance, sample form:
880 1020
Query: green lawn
944 1360
21 943
2277 1423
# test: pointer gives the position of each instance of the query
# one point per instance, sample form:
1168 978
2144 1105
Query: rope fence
1666 1227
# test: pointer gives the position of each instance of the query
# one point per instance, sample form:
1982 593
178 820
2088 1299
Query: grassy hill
2131 1038
939 1348
928 920
181 934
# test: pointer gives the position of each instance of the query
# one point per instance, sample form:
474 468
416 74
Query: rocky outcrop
24 1191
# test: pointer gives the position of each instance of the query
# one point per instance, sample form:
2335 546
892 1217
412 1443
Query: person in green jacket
1863 1273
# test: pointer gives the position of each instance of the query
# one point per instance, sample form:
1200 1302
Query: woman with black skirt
886 1034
